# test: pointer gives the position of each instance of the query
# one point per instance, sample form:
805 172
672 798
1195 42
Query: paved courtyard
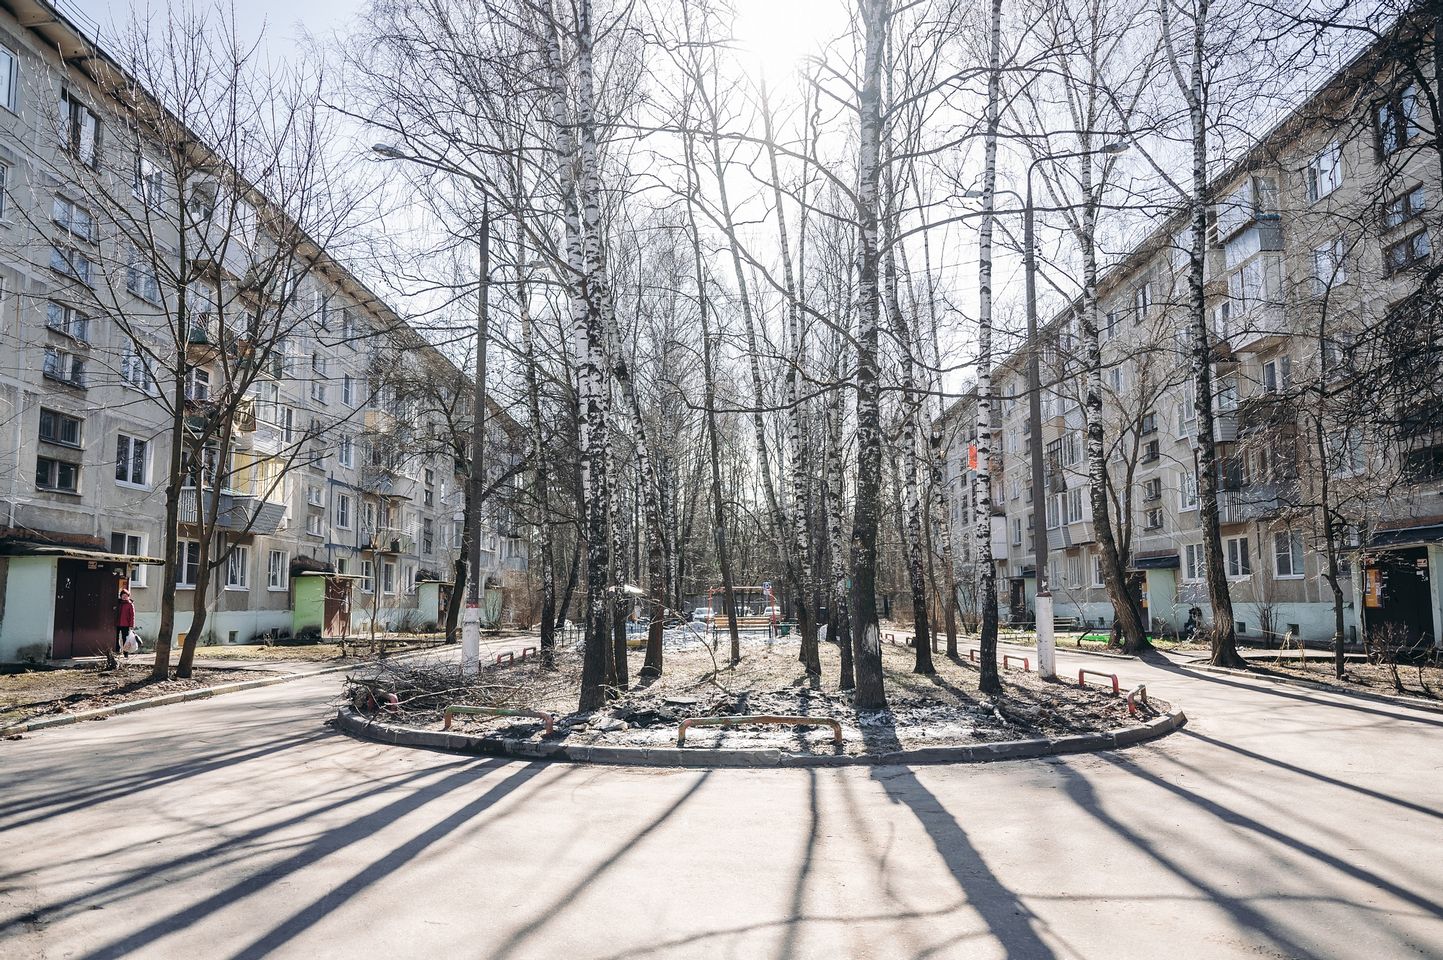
1278 823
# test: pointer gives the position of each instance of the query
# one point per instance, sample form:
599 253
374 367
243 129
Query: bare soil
39 693
938 710
1415 681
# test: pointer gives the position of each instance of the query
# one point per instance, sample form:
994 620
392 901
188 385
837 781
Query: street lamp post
1042 602
475 480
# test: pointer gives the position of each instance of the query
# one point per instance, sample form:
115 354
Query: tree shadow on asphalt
557 906
1315 775
1162 663
1010 921
322 845
67 797
1081 791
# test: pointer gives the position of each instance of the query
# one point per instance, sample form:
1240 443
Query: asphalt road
1279 823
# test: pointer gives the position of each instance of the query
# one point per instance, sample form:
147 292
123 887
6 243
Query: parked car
701 615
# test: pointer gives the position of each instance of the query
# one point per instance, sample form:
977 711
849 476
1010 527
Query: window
348 390
9 78
1397 120
1152 490
140 280
1404 208
343 565
132 456
1150 452
79 129
343 511
1278 375
135 372
1055 506
237 568
1148 424
59 428
65 367
58 475
187 563
1152 519
277 570
427 535
1074 505
1141 301
1227 393
1328 268
72 217
197 385
1016 531
288 429
149 182
347 452
132 545
1255 198
4 188
1109 326
368 576
1407 252
1193 564
315 525
1186 490
1288 553
1325 173
69 262
314 497
408 580
1235 550
68 321
388 577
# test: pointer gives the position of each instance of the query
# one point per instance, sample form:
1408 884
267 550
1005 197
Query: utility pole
1042 603
471 618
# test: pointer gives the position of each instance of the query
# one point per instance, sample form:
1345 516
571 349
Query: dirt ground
1369 677
943 709
38 693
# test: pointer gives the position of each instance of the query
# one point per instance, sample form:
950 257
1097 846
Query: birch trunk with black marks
578 208
1224 637
801 571
989 681
867 651
840 623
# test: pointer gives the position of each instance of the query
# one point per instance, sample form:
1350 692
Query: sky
282 21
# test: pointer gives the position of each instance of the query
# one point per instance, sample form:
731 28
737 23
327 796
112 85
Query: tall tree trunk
719 529
1224 636
801 569
989 681
867 650
1113 574
166 630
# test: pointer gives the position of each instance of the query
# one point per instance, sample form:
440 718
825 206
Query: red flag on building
971 456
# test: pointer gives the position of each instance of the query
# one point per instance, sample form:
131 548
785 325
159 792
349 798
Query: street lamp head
387 151
1115 147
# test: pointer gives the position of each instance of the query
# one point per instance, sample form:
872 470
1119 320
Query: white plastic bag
131 643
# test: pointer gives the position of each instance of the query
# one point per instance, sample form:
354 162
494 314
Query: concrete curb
357 725
183 696
1413 703
1068 648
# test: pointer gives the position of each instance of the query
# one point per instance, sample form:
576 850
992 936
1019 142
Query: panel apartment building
339 504
1321 297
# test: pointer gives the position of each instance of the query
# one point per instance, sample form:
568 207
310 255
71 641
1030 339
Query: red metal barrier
973 654
1137 693
1116 687
1026 663
510 657
528 652
548 718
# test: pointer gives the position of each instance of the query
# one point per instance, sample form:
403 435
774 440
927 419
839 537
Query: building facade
337 501
1321 298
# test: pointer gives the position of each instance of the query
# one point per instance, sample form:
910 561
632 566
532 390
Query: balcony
237 513
1257 501
1262 326
389 541
378 478
1266 411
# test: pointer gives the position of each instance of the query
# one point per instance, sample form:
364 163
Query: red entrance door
85 593
337 614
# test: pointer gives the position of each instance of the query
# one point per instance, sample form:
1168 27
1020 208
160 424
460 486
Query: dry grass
944 708
1416 681
38 693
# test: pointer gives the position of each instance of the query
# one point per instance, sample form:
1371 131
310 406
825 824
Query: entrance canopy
22 549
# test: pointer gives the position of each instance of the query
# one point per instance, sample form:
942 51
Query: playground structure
756 609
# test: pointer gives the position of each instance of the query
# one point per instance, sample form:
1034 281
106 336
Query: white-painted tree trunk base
471 640
1046 646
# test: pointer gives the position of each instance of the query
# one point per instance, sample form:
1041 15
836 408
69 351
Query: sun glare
777 34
